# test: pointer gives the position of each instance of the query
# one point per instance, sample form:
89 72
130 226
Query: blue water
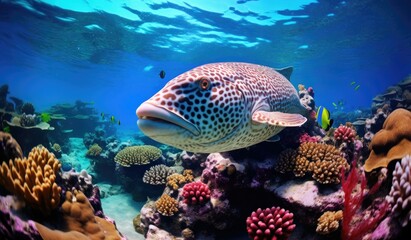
96 51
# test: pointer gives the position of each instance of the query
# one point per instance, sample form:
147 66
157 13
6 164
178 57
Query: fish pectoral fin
279 118
274 138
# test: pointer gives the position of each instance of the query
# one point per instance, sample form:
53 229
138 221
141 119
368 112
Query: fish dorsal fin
286 72
279 118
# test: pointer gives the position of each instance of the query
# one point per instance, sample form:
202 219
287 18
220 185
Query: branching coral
325 161
271 223
286 161
166 205
137 155
33 179
94 150
9 148
175 180
393 142
157 174
354 185
400 193
329 222
196 193
80 221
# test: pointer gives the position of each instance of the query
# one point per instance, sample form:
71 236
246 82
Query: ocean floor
122 208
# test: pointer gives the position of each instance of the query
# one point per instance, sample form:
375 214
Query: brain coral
157 174
400 193
392 142
329 222
324 161
33 179
271 223
137 155
166 205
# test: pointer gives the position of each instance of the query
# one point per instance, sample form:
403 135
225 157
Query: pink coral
271 223
305 137
196 193
344 134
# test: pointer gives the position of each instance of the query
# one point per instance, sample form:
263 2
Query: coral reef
166 205
393 142
27 108
344 134
137 155
28 120
9 147
33 179
94 150
175 180
329 222
196 193
158 174
270 223
400 193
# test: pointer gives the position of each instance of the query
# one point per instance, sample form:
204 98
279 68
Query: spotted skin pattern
225 102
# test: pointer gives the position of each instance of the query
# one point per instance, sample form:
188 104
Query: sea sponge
80 222
166 205
344 134
175 180
286 161
94 150
392 142
325 161
33 179
196 193
157 174
270 223
329 222
9 147
400 193
137 155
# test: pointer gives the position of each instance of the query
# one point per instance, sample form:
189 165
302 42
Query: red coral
354 195
196 193
344 134
275 223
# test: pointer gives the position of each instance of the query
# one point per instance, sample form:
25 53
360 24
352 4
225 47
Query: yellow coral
33 179
94 150
56 147
329 222
137 155
325 161
175 180
166 205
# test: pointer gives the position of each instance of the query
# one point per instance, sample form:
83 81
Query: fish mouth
157 120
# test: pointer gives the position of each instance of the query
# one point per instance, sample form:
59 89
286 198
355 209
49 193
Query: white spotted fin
279 119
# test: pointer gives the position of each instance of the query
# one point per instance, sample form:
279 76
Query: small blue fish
162 74
323 118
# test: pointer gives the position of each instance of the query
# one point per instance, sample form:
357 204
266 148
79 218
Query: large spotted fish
221 107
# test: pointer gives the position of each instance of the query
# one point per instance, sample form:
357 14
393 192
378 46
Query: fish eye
204 84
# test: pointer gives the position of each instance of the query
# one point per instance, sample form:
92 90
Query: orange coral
33 179
392 142
329 222
166 205
175 180
80 221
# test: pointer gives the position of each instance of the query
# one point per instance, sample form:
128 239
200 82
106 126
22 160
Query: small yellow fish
357 87
334 104
112 119
323 118
352 83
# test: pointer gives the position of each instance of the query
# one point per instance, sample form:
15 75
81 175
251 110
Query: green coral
45 117
137 155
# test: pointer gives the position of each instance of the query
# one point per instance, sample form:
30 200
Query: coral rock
274 223
9 148
393 142
196 193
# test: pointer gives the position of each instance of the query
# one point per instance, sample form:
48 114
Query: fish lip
151 112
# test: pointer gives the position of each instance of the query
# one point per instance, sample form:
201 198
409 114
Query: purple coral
400 193
271 223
